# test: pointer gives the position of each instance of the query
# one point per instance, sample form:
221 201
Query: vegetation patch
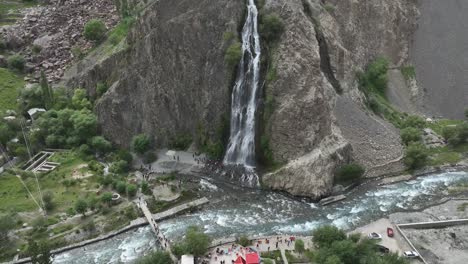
408 72
10 84
349 173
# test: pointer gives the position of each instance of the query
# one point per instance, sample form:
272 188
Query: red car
389 232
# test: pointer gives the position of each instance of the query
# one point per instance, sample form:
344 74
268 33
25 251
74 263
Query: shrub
324 236
100 144
121 187
81 206
141 143
350 172
48 198
408 72
375 78
181 142
271 27
36 49
101 88
299 246
415 156
96 167
16 62
145 189
244 241
119 167
77 52
410 134
106 198
94 30
414 121
233 54
131 190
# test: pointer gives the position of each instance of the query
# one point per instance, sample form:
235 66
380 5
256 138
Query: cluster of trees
333 246
456 135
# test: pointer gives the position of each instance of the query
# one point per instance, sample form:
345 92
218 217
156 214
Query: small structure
187 259
252 258
240 260
35 112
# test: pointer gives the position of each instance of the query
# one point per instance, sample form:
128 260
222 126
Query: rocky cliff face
175 79
314 128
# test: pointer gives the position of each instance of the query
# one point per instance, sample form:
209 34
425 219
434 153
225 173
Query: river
233 211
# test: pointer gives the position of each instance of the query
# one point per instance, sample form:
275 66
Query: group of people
162 239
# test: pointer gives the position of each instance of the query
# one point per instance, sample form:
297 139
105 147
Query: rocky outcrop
175 79
47 34
313 127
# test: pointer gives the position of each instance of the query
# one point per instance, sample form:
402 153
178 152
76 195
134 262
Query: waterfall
241 147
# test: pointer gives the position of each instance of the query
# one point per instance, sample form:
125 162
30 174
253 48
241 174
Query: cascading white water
241 147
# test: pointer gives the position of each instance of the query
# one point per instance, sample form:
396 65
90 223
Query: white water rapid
241 147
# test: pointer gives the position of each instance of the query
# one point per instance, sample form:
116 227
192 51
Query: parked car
383 249
411 254
374 235
389 232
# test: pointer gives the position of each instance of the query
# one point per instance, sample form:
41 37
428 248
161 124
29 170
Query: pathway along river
234 211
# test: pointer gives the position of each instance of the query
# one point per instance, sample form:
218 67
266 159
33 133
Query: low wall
435 224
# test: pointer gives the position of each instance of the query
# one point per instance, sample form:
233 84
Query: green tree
157 257
271 27
80 100
195 243
233 54
39 252
324 236
141 143
415 156
84 125
299 246
350 172
81 206
410 135
333 260
100 144
106 198
94 30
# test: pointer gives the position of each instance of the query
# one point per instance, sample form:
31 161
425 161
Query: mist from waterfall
241 147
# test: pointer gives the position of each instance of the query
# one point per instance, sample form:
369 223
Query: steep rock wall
175 79
314 129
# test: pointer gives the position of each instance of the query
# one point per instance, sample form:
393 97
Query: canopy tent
240 260
252 258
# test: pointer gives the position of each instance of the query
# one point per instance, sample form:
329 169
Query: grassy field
10 82
65 189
